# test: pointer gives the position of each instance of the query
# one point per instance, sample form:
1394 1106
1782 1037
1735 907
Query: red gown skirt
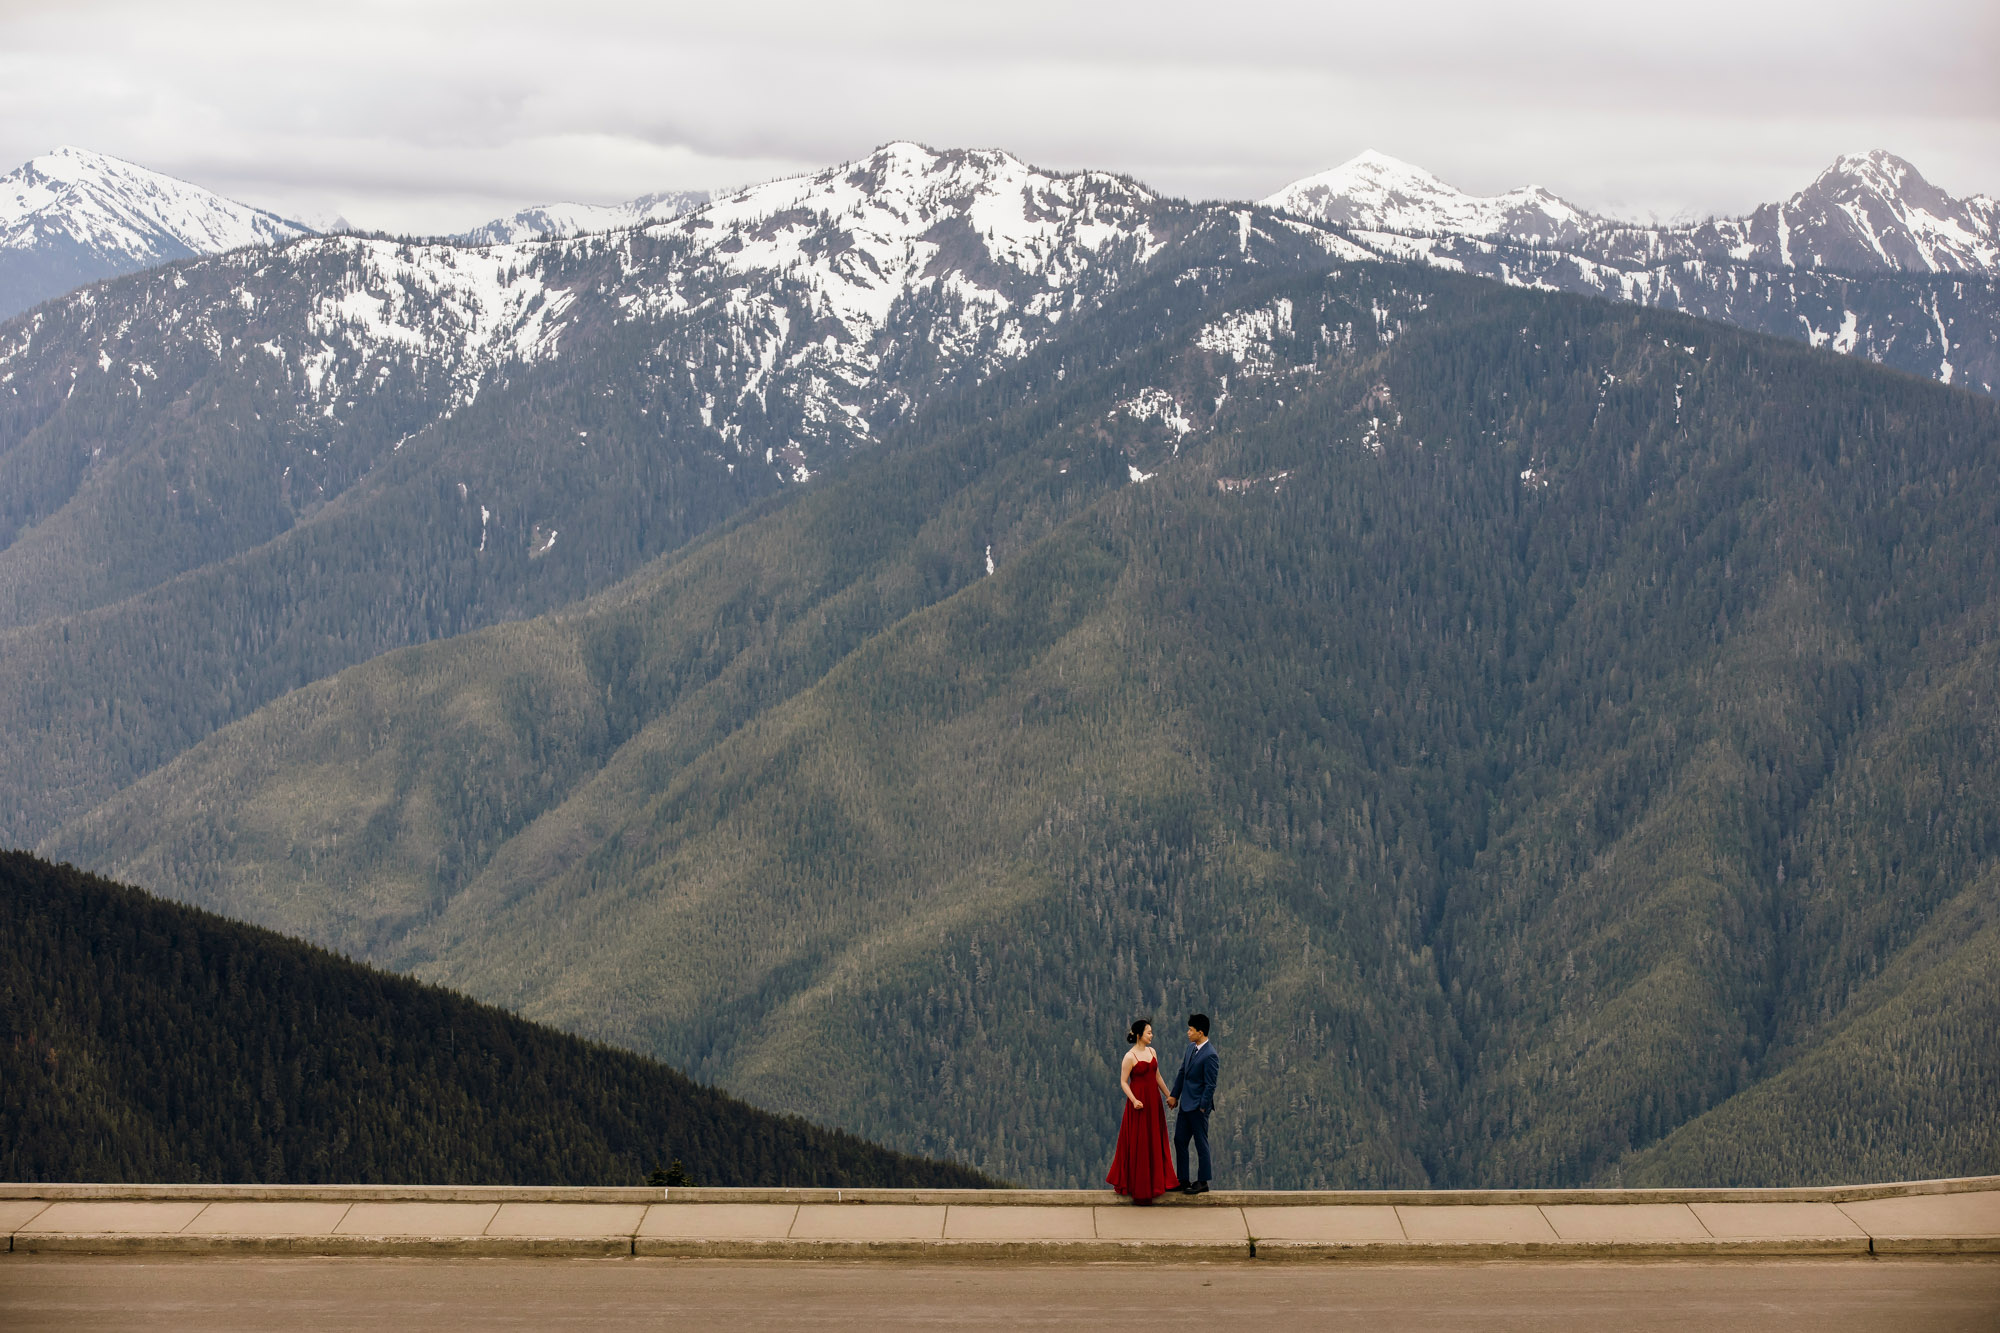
1143 1166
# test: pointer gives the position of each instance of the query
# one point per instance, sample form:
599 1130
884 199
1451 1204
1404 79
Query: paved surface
1044 1225
1908 1295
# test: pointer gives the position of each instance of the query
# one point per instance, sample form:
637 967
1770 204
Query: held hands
1173 1101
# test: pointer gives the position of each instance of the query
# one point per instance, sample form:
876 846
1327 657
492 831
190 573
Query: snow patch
1245 336
1850 331
1156 405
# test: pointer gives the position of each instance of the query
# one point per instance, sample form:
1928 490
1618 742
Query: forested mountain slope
1489 704
141 1040
225 479
1900 928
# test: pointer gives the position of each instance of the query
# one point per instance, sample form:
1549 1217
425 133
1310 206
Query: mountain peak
84 166
903 188
1878 163
1374 160
66 164
1371 174
854 251
66 156
1875 210
911 152
73 215
1877 173
1376 192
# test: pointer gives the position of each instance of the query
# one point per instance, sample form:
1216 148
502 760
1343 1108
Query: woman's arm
1125 1078
1165 1091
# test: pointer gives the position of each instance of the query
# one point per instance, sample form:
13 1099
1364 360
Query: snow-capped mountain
72 216
809 310
744 346
553 221
1376 192
1869 259
1866 213
773 329
839 291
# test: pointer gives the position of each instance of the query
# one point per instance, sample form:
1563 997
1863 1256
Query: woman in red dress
1143 1167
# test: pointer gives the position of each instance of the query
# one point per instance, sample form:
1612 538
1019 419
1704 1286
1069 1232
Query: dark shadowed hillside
141 1040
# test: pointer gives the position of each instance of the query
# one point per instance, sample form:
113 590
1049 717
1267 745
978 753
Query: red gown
1143 1166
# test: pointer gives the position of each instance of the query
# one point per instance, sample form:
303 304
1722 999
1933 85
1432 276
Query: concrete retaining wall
1911 1217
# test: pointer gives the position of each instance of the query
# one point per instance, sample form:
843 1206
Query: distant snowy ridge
753 341
791 321
117 207
1870 259
72 216
1376 192
1867 213
553 221
825 285
814 292
796 318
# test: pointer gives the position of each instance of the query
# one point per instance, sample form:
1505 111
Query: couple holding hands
1141 1169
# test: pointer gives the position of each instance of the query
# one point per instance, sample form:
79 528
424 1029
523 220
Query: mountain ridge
72 216
1876 250
1375 192
1869 259
546 222
1871 210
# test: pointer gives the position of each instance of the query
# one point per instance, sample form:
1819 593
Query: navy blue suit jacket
1195 1084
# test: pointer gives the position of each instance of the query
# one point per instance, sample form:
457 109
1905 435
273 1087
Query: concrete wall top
1042 1198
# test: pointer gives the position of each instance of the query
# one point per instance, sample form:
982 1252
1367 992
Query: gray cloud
435 115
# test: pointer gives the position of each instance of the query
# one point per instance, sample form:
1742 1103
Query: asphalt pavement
1907 1295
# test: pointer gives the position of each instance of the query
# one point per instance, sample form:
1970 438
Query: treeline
141 1040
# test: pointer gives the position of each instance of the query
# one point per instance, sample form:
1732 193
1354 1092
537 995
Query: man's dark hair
1199 1022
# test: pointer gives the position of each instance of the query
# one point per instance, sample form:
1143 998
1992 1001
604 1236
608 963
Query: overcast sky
427 116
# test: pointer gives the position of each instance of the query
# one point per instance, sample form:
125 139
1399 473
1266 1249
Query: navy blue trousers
1191 1125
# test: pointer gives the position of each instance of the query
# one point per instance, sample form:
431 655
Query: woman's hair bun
1139 1025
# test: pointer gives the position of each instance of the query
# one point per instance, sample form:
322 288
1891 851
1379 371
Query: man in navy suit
1193 1097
